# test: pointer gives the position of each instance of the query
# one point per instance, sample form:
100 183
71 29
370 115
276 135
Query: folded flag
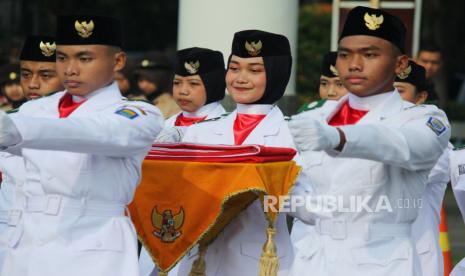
189 193
219 153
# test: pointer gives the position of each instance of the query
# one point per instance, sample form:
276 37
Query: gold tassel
199 266
269 262
162 273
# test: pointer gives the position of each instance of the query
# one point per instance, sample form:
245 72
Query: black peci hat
192 61
39 48
88 30
414 74
9 73
328 64
255 43
377 23
276 53
209 65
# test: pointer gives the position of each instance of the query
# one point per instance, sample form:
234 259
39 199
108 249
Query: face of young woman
189 92
246 79
331 88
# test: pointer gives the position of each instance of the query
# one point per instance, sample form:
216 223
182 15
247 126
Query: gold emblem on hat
47 48
192 67
404 74
253 48
334 70
12 76
83 28
145 63
373 22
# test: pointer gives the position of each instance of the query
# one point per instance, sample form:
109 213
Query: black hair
430 47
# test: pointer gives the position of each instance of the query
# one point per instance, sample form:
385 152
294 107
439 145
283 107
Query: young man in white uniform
83 147
366 160
38 78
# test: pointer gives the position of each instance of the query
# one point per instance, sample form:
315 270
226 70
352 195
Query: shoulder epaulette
137 100
415 106
213 119
311 106
12 111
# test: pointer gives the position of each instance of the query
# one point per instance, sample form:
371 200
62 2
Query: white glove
9 134
171 135
311 134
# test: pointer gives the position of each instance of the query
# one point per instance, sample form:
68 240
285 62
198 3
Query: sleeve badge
436 125
127 112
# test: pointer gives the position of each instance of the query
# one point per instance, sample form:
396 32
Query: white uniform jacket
88 166
425 229
457 175
320 108
363 199
211 110
237 250
12 169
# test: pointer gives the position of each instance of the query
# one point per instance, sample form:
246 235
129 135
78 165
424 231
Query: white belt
341 229
57 205
10 217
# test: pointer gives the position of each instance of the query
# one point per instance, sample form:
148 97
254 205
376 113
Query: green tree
314 43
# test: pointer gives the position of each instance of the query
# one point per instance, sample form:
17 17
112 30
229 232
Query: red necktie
347 115
182 120
244 124
67 106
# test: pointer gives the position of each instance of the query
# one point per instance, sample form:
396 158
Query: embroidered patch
167 224
142 111
461 169
128 113
436 125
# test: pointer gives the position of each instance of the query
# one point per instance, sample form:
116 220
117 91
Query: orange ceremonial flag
182 203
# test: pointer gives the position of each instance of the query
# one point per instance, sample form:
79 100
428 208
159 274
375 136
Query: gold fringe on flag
269 262
199 266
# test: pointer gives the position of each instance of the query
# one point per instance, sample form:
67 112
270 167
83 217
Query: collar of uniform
254 108
78 99
391 106
202 111
267 126
370 102
99 99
